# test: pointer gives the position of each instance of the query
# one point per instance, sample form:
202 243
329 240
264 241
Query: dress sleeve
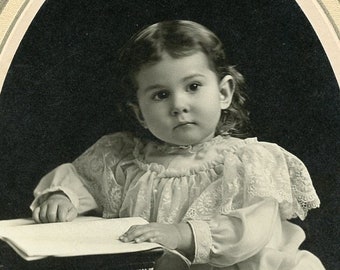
225 240
234 218
95 180
102 170
66 179
266 170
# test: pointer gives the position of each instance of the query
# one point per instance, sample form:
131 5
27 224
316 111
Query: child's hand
56 208
164 234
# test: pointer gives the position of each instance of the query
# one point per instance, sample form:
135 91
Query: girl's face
180 99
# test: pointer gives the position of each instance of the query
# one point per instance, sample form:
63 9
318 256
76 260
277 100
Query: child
218 198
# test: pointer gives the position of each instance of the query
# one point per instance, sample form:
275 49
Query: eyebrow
158 86
153 87
193 76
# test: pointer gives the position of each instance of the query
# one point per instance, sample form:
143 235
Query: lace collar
172 149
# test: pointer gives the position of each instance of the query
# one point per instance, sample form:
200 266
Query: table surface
10 260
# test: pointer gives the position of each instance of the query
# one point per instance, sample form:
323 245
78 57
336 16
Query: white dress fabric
237 195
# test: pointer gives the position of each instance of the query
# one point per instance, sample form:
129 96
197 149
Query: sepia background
59 97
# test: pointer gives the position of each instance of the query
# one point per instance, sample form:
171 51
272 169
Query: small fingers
131 233
35 214
72 213
43 213
62 213
139 233
132 230
150 236
52 210
56 208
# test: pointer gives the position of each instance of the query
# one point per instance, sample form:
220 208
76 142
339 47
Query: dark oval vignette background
59 95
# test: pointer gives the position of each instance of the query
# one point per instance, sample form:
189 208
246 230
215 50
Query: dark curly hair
181 38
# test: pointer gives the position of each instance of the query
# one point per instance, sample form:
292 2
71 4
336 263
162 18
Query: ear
135 108
227 88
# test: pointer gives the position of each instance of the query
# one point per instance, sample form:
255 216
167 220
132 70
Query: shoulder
114 145
253 149
270 158
265 170
118 140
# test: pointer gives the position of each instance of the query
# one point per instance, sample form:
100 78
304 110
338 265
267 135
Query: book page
80 237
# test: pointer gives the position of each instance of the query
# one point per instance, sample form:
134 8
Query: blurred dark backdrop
59 95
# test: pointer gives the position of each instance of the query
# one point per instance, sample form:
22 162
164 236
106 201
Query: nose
180 104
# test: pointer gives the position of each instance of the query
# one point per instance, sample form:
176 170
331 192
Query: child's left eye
194 87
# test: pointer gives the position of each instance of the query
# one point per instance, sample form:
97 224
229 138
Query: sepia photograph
169 134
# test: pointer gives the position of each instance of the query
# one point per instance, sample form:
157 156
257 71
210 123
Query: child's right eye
160 95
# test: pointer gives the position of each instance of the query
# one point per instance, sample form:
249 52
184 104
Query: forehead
169 67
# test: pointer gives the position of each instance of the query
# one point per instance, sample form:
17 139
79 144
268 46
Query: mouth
185 124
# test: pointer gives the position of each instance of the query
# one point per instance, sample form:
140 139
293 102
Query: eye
193 87
160 95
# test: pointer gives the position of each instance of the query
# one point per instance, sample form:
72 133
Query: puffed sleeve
102 170
94 181
235 217
265 170
65 178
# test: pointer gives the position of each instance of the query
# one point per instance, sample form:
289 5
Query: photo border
15 18
324 16
17 15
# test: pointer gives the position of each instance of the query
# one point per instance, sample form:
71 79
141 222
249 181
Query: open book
83 236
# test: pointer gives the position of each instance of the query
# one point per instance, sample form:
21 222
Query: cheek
153 113
211 112
210 105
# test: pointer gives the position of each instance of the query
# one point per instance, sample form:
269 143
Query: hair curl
181 38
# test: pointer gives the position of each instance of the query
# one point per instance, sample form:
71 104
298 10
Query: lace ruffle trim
203 241
162 171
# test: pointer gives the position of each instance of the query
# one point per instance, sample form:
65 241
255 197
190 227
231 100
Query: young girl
216 197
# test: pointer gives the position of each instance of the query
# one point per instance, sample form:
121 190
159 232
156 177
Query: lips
183 124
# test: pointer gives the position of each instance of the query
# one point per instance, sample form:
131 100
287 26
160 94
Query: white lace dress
237 195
